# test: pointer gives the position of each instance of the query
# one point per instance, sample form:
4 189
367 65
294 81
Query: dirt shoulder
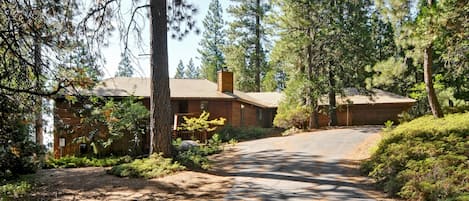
92 183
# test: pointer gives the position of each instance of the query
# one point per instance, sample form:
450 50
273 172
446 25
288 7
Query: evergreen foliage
212 43
246 53
125 69
180 71
191 72
425 159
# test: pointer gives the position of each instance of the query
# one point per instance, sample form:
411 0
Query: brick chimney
225 81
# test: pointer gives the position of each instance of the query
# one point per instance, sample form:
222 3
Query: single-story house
355 108
188 96
192 96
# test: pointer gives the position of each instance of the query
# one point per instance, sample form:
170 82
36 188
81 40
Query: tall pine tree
212 42
125 68
246 55
191 72
180 71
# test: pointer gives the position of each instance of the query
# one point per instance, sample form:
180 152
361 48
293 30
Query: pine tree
431 32
213 40
125 68
326 45
180 71
191 72
246 55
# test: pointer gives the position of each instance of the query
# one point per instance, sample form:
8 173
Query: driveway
308 166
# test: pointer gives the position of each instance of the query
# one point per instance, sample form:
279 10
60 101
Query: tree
125 68
191 72
245 54
327 46
180 71
418 31
176 18
212 42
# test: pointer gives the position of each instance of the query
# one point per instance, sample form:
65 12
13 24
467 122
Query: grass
154 166
424 159
74 162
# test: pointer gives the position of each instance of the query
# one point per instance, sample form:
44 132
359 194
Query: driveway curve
308 166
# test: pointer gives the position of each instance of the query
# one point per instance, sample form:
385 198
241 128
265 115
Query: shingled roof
205 89
376 96
180 89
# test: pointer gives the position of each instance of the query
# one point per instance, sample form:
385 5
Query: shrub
196 157
73 162
297 117
152 167
15 190
243 133
425 159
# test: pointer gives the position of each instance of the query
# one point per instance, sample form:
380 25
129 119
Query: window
183 107
259 114
203 105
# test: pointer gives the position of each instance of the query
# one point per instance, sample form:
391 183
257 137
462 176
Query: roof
377 96
205 89
180 89
270 99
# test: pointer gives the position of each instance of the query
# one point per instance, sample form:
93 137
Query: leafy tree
119 118
125 68
180 71
192 72
245 54
212 57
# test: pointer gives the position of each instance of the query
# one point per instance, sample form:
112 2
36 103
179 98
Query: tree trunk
160 109
258 46
311 100
427 77
332 100
38 125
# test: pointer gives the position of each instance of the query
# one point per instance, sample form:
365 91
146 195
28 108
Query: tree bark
160 109
38 124
258 46
332 100
427 77
311 101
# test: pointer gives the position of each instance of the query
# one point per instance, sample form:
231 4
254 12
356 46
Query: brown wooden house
192 96
188 97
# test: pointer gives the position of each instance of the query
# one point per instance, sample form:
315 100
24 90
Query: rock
187 144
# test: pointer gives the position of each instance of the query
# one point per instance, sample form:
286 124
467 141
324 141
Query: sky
177 50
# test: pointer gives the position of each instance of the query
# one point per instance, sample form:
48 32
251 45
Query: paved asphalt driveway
306 166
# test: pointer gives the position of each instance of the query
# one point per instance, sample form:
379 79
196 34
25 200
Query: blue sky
177 50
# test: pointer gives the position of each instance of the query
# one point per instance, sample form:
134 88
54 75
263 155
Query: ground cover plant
154 166
74 162
425 159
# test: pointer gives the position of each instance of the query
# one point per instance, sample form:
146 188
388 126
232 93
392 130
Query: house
355 108
192 96
188 96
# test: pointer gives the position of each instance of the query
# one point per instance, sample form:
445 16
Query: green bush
73 162
196 157
425 159
15 190
296 117
152 167
243 133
